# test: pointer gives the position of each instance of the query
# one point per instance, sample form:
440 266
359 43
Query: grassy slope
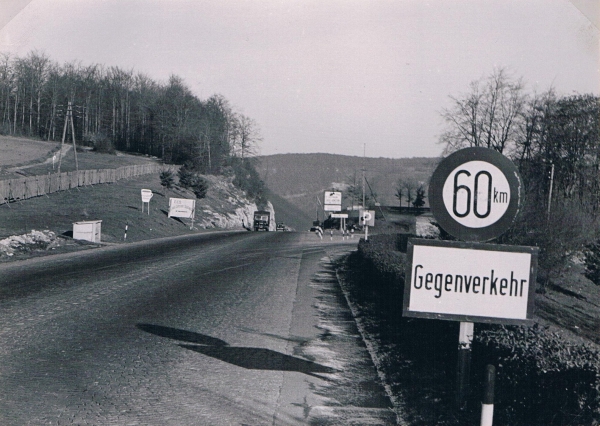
116 204
21 151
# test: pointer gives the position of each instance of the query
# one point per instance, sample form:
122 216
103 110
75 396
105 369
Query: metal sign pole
463 367
475 195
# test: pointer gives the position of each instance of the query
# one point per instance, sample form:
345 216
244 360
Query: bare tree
487 116
399 192
246 136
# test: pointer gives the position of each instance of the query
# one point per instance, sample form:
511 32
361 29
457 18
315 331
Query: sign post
475 195
146 196
366 219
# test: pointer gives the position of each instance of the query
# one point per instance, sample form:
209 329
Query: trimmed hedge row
543 379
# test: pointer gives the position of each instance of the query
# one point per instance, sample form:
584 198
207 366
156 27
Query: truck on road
262 219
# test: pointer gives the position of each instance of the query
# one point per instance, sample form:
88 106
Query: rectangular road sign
181 207
470 282
332 197
366 217
340 215
332 207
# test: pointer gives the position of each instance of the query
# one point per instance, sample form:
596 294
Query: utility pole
363 179
550 192
68 118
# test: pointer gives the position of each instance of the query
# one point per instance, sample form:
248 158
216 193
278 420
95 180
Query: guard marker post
487 403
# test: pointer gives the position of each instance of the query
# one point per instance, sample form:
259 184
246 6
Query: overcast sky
324 75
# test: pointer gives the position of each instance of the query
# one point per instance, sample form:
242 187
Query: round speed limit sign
475 194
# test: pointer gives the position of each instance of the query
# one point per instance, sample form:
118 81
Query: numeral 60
467 190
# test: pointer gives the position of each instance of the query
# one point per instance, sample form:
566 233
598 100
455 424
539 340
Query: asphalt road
212 329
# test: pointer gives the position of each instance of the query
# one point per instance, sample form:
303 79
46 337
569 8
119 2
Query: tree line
554 141
121 109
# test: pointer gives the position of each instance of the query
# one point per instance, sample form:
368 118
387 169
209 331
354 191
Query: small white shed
89 230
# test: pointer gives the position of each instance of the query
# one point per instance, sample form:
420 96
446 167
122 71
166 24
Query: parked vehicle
262 219
280 227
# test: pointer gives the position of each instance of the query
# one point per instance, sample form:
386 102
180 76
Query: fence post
487 403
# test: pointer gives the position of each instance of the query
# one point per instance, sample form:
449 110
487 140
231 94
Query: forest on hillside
117 109
121 109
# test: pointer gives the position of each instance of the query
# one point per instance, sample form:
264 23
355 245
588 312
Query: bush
542 378
592 262
186 175
189 178
533 365
565 233
199 187
101 143
381 253
167 179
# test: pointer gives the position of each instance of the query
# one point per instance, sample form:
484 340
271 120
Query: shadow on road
183 335
250 358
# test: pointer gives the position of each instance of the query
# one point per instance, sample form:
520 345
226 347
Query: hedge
543 378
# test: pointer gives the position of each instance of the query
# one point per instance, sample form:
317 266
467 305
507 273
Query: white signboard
181 207
332 207
146 195
340 215
333 197
470 282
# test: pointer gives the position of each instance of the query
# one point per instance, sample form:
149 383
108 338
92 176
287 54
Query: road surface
212 329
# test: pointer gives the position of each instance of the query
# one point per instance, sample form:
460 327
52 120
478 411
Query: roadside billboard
182 207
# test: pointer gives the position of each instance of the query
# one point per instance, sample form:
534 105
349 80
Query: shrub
199 187
566 232
592 262
189 178
102 143
186 176
167 179
542 378
381 253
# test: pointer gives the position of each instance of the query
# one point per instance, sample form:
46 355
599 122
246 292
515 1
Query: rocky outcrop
226 207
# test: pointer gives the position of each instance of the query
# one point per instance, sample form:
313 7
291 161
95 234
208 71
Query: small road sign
146 195
366 217
475 194
340 215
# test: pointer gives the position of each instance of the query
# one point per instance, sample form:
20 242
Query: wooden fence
34 186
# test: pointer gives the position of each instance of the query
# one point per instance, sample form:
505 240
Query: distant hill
289 213
300 178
